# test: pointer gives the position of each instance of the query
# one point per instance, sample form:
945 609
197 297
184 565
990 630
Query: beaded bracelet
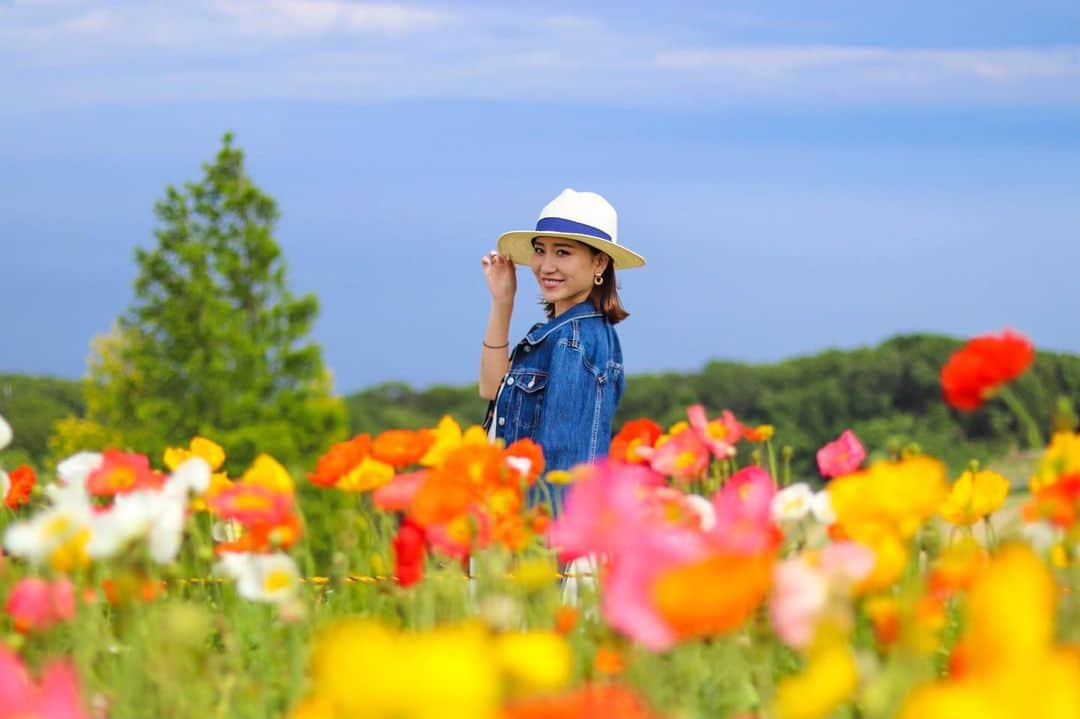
494 347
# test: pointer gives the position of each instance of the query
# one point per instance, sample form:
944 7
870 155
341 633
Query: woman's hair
605 296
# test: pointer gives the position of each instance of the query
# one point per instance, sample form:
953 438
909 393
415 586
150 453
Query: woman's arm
495 362
494 357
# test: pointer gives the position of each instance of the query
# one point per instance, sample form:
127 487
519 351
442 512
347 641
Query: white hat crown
585 212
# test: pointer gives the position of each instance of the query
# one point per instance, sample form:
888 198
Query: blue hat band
559 224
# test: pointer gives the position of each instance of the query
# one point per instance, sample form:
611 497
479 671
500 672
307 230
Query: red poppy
409 554
977 369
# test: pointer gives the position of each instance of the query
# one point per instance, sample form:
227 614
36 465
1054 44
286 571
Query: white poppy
792 503
37 538
191 477
821 506
5 432
156 516
74 470
5 484
261 577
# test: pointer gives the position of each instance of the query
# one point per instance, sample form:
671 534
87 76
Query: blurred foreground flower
5 432
829 679
883 506
448 673
56 697
1061 459
36 605
812 586
1011 666
594 701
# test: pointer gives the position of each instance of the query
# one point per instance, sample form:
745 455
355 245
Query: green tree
215 343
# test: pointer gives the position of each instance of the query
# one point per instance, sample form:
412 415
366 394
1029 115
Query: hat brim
517 245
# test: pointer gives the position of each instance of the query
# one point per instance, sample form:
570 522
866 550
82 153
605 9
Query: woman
560 385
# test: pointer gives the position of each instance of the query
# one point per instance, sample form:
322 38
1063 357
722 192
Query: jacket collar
579 311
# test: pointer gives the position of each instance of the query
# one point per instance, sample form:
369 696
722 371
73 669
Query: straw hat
583 216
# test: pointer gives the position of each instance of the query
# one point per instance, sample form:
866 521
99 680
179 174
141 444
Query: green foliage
397 405
31 405
889 394
215 344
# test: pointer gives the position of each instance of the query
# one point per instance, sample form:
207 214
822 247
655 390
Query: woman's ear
600 262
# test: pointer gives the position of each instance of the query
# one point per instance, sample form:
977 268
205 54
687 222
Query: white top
495 411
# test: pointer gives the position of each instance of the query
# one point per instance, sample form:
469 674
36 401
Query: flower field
434 574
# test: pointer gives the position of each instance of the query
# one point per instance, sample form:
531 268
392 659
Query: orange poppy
22 480
714 595
593 701
635 433
530 452
339 460
402 447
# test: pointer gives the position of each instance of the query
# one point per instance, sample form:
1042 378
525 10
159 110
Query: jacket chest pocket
527 390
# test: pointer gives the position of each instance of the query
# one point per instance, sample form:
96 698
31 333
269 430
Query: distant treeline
889 394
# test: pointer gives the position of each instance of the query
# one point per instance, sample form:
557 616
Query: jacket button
502 421
509 380
528 348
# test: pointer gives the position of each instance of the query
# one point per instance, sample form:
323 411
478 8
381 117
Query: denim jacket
564 383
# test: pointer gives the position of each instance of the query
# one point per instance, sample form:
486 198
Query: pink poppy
397 495
252 504
743 508
606 500
683 456
121 472
841 456
802 588
673 506
36 605
56 697
719 435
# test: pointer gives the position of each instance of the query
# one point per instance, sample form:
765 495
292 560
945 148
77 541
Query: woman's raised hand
501 276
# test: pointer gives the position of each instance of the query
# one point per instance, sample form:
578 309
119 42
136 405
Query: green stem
1034 436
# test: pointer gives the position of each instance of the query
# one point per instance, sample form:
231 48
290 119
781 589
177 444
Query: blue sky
800 175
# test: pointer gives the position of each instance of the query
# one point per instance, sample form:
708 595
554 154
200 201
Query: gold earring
598 280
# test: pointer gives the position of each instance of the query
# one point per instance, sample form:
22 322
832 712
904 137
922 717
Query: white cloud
128 51
316 17
778 61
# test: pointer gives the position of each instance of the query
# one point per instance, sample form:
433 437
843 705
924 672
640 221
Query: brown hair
605 296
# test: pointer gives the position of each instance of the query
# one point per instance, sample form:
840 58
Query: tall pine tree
215 343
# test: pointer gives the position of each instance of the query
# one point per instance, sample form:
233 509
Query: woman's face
565 270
